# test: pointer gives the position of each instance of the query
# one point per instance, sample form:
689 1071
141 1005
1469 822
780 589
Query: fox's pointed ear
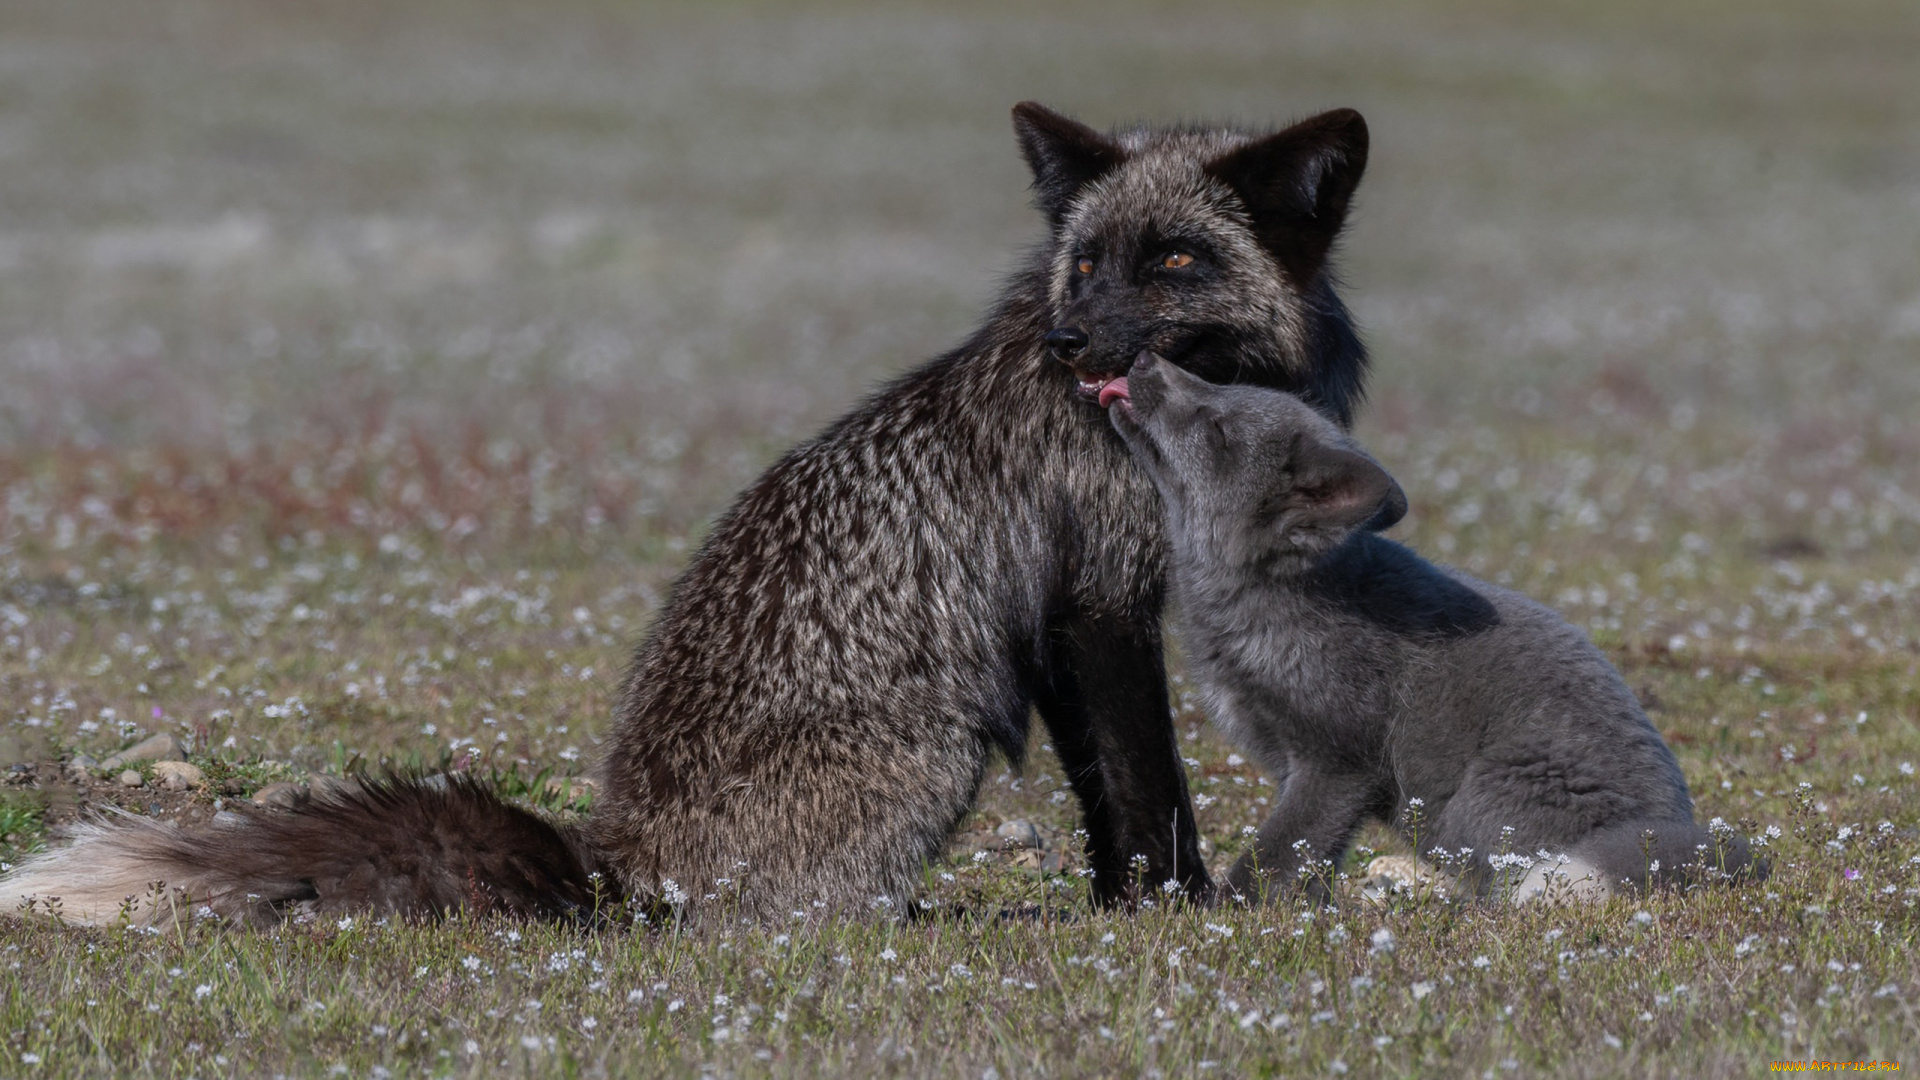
1064 154
1337 490
1297 184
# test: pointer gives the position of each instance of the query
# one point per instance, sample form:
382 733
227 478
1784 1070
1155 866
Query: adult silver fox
815 707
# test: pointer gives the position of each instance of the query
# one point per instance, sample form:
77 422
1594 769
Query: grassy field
367 371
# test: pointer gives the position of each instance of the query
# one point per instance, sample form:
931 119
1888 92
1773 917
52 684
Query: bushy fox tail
410 847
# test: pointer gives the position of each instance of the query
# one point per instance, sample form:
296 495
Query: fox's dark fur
816 705
1364 677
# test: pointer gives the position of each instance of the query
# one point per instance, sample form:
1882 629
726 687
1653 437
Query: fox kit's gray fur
1363 677
816 705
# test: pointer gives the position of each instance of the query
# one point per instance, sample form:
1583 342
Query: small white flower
1421 990
201 991
1482 962
1383 940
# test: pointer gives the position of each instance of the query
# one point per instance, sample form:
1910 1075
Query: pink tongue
1114 391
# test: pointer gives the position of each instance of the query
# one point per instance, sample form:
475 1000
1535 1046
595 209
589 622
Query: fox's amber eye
1176 259
1085 266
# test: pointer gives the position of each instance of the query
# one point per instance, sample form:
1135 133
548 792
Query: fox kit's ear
1392 509
1336 491
1297 184
1064 154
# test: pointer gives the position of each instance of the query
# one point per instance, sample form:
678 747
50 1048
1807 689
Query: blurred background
368 369
535 281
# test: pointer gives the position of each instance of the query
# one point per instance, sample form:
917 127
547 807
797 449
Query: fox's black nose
1066 342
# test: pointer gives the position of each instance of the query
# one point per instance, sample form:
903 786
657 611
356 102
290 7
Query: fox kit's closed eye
1364 678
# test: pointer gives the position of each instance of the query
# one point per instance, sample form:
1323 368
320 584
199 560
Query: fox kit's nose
1066 342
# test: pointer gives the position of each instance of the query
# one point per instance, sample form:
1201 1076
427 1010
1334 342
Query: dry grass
369 369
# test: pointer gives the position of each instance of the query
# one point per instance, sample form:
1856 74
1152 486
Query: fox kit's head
1208 247
1247 474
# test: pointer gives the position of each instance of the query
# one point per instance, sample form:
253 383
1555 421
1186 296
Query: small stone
233 785
284 795
978 840
331 787
131 778
1390 874
82 763
571 788
1018 834
161 747
177 775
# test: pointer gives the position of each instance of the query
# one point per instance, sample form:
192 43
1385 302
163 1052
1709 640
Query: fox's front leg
1105 706
1302 841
